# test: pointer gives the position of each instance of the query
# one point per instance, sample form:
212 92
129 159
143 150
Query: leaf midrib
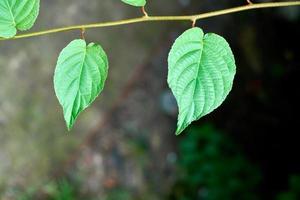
197 74
82 64
80 78
11 14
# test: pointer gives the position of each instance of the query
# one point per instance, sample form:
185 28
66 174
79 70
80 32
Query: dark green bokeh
211 167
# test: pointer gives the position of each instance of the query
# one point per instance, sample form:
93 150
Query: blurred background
123 147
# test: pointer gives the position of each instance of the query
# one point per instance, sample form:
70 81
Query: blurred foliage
294 191
64 191
118 194
59 190
68 190
211 168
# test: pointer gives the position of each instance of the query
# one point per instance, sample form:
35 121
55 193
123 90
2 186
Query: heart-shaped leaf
201 73
79 77
138 3
17 15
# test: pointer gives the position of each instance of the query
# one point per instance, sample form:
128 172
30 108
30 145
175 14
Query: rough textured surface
17 15
79 77
200 75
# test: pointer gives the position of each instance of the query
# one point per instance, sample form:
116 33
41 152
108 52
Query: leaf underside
200 74
17 15
137 3
79 77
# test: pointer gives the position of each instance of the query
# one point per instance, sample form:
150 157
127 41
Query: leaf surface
79 77
17 15
200 74
137 3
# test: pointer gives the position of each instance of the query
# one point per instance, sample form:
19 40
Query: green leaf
79 77
138 3
201 73
17 15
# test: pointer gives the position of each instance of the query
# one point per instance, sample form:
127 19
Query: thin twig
144 12
194 23
249 2
82 33
160 18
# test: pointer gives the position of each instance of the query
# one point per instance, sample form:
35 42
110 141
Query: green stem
192 18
